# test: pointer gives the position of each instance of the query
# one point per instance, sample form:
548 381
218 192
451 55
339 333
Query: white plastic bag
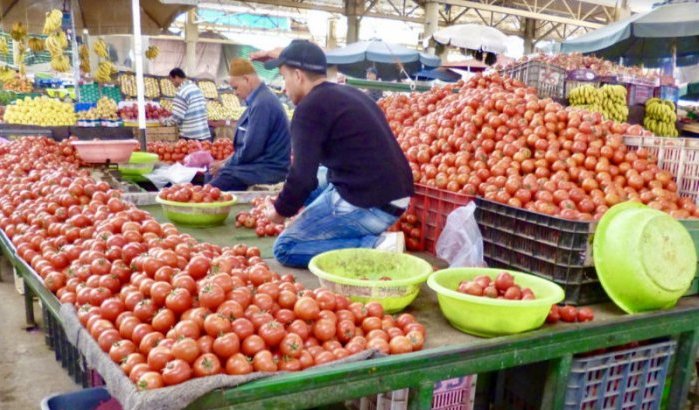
461 243
173 174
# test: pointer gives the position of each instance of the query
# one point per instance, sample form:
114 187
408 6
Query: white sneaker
391 242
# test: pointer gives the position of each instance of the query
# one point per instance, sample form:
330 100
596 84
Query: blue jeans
329 223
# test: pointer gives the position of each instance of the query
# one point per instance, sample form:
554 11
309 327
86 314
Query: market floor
28 369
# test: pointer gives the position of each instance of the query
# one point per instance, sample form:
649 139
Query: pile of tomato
194 194
170 152
165 307
255 219
493 137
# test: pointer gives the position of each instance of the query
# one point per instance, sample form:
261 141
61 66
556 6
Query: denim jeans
329 223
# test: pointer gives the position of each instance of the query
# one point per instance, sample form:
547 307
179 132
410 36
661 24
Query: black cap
372 70
301 54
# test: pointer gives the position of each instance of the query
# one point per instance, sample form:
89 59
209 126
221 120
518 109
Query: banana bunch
105 70
53 21
56 42
152 52
36 44
84 54
18 31
660 117
609 100
585 95
4 49
100 48
60 63
7 74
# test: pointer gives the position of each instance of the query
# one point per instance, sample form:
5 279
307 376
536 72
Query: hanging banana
4 49
53 21
84 54
18 31
104 72
36 45
100 48
60 63
152 52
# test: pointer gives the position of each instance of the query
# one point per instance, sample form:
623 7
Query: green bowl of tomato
365 275
195 214
490 317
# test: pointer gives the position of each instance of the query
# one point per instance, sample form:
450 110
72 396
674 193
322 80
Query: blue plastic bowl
86 399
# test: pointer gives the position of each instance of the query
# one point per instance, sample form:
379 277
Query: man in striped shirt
189 108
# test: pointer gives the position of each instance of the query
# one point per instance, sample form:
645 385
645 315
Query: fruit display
576 61
208 88
167 88
218 112
608 100
152 52
152 89
54 19
170 152
129 111
255 219
18 84
106 109
194 194
660 117
569 314
163 306
42 111
166 104
127 83
230 100
502 287
7 74
4 48
495 138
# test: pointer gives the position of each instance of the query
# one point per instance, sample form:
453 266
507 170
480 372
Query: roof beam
521 13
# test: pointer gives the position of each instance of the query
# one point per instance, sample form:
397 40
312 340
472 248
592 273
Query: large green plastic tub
197 215
357 273
645 259
486 317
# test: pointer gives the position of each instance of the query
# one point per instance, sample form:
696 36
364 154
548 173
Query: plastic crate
638 94
111 91
670 93
549 80
87 399
680 156
452 394
631 378
432 206
553 248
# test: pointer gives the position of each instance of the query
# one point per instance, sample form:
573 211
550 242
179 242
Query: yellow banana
53 21
100 48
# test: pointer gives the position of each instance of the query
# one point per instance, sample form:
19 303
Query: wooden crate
169 134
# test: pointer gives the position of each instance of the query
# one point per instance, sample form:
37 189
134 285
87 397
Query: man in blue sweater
262 147
369 181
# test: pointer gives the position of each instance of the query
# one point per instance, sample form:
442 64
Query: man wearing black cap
369 181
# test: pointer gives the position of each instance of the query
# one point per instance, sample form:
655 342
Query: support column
529 35
431 22
191 36
353 11
331 43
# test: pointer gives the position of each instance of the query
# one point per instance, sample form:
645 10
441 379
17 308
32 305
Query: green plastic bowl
645 259
140 163
486 317
196 215
355 273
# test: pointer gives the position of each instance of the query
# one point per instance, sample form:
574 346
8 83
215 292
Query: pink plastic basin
99 152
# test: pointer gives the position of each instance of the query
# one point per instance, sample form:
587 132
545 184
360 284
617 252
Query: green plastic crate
89 93
112 91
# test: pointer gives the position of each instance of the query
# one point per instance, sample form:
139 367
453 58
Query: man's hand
271 213
216 166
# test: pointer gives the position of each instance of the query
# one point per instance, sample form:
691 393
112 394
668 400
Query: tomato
324 357
238 364
216 324
149 341
164 320
374 309
264 362
198 267
346 330
108 338
127 364
186 349
158 357
243 328
252 344
179 300
568 313
226 345
299 327
137 371
359 311
111 308
272 333
324 329
159 292
211 296
150 380
504 281
145 310
513 293
176 372
206 365
139 331
585 314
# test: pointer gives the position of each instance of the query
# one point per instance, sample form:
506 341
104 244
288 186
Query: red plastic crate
432 206
453 394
